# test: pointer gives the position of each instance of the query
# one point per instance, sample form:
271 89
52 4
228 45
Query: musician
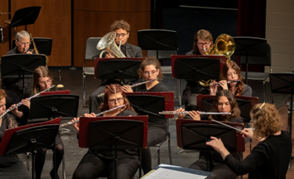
22 43
122 29
270 157
42 81
98 161
157 130
202 42
211 160
11 167
231 72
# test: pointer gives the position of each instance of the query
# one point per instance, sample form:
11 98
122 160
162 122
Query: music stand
29 138
44 45
245 103
157 39
194 135
55 92
250 46
21 66
117 69
51 106
115 133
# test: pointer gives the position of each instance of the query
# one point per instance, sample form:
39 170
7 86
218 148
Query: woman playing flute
231 72
42 80
98 161
11 167
271 156
157 129
211 160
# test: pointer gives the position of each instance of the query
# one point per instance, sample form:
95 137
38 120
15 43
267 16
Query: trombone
36 50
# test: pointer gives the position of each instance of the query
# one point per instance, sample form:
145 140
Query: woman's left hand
224 84
218 145
195 115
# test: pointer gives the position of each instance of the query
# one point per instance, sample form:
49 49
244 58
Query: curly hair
150 61
40 72
120 24
113 89
235 111
265 119
224 76
201 34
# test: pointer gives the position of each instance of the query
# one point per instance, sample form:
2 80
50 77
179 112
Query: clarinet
134 85
233 81
201 113
70 122
20 103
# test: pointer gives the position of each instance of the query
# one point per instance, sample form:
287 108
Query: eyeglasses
45 82
122 35
148 73
114 100
202 44
25 43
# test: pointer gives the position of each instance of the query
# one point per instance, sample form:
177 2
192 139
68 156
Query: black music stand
116 134
196 68
157 39
118 69
21 66
44 45
250 46
52 106
31 139
148 105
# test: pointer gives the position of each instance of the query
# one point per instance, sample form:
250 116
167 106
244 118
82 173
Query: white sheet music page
163 173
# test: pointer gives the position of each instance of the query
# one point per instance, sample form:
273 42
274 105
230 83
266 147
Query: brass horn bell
224 45
107 43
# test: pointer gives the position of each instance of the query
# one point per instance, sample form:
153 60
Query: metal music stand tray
197 68
31 139
250 46
157 39
21 66
114 133
51 106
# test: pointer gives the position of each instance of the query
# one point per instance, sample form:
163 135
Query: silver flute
70 122
20 103
233 81
201 113
134 85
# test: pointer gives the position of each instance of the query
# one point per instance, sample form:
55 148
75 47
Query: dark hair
266 120
120 24
201 34
150 61
113 89
40 72
224 76
235 111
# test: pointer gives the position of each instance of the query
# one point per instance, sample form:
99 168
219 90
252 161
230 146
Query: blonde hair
40 72
265 119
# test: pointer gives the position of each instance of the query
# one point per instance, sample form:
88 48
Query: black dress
10 165
97 162
268 159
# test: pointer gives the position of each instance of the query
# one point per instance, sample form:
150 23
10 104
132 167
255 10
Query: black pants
92 166
221 171
155 136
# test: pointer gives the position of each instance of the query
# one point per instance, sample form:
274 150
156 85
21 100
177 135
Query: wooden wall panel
54 21
4 8
94 21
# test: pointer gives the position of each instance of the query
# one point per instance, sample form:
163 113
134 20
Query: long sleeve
247 91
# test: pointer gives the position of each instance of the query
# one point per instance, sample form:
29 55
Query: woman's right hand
127 89
77 124
213 89
247 133
181 116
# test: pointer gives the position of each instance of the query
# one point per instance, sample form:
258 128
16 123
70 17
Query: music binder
55 92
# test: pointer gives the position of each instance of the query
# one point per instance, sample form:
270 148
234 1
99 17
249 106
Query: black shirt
159 87
269 159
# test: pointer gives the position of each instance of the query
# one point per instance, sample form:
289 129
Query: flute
20 103
201 113
233 81
134 85
70 122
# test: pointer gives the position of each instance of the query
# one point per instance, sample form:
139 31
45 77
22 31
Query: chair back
258 60
91 51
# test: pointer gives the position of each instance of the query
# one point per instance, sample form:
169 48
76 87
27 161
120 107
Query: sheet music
163 173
